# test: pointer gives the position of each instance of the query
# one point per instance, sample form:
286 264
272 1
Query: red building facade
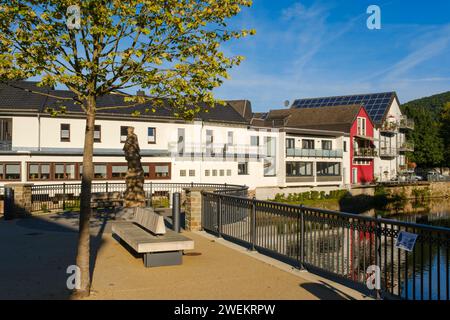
362 149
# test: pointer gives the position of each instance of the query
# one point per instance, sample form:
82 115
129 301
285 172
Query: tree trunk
83 250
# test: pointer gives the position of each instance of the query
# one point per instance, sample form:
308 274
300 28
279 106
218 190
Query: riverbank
395 199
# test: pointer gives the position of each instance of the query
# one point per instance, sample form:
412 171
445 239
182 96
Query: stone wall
22 197
436 190
193 208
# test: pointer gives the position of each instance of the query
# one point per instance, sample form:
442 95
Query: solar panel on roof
376 104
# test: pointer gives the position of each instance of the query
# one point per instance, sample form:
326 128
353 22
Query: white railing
216 150
314 153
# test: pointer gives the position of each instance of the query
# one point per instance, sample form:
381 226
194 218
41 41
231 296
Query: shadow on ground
36 252
324 291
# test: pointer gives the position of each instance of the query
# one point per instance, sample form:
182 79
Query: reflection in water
426 275
434 212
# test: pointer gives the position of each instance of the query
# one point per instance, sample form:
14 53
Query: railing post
64 196
107 189
253 224
9 203
302 236
176 209
151 194
219 216
378 253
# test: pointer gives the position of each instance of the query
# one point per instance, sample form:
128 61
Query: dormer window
65 132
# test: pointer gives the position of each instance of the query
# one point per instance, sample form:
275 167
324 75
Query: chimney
140 93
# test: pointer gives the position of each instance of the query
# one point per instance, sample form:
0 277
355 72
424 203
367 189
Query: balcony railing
407 146
388 152
337 243
216 150
314 153
406 123
389 127
5 145
365 153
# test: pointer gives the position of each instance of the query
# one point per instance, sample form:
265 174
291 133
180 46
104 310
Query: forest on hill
431 135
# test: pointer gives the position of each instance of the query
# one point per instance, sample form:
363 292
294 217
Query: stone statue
134 195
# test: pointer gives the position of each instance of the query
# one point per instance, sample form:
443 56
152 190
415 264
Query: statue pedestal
134 195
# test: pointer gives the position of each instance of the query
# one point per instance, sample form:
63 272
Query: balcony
406 146
5 145
406 124
365 153
314 153
389 127
388 152
216 151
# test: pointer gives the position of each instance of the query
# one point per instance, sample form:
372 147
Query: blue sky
319 48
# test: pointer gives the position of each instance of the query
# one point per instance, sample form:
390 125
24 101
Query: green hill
431 134
434 103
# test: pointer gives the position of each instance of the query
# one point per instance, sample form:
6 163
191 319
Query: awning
365 137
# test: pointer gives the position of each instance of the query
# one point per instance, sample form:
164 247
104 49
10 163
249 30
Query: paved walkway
37 251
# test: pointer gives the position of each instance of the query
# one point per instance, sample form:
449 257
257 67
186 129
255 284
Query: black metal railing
339 244
66 196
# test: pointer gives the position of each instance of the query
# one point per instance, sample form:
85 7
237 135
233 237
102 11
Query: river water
436 213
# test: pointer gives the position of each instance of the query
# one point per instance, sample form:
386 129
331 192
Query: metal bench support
159 259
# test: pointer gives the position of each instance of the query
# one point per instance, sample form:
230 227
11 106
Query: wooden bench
147 234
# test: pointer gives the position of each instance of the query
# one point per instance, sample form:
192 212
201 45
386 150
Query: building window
207 173
361 126
228 172
191 173
123 134
328 168
39 171
119 171
180 142
222 172
161 171
345 146
65 171
151 135
230 138
9 171
5 130
97 133
209 143
307 144
242 168
326 144
290 143
100 171
299 168
146 169
254 141
182 173
65 132
157 171
214 173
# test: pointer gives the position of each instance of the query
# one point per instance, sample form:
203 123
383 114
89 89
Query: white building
217 147
390 127
228 144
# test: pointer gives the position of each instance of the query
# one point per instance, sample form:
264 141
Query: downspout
201 150
39 131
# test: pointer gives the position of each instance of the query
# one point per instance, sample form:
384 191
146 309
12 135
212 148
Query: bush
315 195
44 207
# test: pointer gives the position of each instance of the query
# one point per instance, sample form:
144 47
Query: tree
171 48
430 118
446 133
428 144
